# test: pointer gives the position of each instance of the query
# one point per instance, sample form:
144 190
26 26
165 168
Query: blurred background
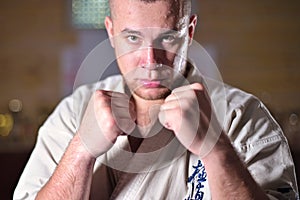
255 44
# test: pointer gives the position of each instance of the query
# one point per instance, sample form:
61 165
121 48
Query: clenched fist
188 112
108 115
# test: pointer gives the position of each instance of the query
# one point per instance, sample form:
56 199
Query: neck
146 116
146 110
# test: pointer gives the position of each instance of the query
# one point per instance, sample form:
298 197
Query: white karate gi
165 174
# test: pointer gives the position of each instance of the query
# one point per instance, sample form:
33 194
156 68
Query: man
153 132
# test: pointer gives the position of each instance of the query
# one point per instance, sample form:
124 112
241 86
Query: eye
168 39
133 38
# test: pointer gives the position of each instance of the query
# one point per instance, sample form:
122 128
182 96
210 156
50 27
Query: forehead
142 14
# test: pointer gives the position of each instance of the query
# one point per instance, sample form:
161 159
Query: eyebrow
134 32
129 31
168 32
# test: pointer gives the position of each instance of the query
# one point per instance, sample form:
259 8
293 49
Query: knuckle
170 97
99 93
197 86
101 99
109 124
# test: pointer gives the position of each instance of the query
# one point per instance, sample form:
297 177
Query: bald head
180 8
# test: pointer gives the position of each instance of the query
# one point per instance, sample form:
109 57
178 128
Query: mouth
151 83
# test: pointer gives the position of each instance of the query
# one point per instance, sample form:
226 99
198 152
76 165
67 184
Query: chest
184 178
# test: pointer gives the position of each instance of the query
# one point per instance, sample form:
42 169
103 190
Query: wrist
80 150
222 151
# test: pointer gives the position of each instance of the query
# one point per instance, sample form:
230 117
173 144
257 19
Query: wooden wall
32 35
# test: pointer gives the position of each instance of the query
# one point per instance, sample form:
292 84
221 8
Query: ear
192 27
109 29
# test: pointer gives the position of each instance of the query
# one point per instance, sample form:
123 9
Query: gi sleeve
262 146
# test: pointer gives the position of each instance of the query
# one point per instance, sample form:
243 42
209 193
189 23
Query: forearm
72 177
227 176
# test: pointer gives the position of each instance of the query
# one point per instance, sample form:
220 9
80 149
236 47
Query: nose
148 57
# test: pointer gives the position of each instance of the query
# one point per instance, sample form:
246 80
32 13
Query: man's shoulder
236 96
112 83
229 95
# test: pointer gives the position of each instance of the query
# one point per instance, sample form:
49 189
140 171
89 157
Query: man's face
150 41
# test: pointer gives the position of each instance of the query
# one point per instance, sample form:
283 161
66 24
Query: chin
153 94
